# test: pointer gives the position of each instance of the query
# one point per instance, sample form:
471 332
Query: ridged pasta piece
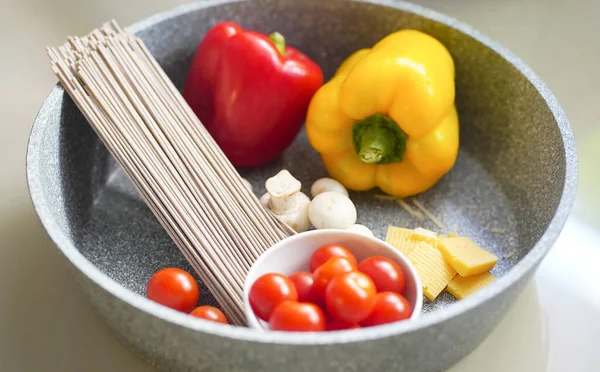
428 236
435 272
464 286
405 240
402 239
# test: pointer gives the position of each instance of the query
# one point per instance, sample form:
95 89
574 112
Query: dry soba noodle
186 180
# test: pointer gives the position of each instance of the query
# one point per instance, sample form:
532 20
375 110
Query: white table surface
45 324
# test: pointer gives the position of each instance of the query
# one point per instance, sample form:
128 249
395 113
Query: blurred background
46 325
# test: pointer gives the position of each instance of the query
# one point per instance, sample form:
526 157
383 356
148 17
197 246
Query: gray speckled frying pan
516 171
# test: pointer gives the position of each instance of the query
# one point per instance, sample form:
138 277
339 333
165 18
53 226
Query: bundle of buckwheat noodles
186 180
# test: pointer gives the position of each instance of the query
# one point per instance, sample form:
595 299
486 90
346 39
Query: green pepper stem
375 144
279 42
379 140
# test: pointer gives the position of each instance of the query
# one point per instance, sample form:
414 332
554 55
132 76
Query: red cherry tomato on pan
389 307
386 274
338 325
304 284
268 291
324 253
297 317
329 270
174 288
350 297
209 313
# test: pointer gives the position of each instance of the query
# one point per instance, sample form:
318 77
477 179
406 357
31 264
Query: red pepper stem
279 42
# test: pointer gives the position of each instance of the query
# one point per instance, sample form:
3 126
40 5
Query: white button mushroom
298 219
285 200
331 210
264 200
281 187
360 229
327 184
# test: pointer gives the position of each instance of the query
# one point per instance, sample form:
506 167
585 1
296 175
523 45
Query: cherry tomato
174 288
329 270
389 307
268 291
297 317
304 283
324 253
209 313
338 325
386 274
350 297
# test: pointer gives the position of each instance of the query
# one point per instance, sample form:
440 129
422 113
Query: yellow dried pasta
463 286
453 234
402 239
405 240
426 235
466 257
433 270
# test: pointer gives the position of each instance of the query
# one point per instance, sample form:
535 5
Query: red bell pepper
250 91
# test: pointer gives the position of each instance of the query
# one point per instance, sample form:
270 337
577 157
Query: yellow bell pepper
387 118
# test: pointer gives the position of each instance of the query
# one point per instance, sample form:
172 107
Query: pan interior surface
509 175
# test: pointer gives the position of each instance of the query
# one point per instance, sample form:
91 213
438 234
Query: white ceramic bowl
293 254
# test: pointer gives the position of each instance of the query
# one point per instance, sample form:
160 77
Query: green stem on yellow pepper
379 140
279 42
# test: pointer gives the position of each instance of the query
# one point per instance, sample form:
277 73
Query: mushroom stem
282 188
285 200
283 205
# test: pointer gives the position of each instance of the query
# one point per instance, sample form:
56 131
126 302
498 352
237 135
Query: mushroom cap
327 184
298 219
360 229
282 184
264 200
331 210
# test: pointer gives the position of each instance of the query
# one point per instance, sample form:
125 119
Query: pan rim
527 264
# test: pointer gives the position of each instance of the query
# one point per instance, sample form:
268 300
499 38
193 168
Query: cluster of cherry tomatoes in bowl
338 293
177 289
